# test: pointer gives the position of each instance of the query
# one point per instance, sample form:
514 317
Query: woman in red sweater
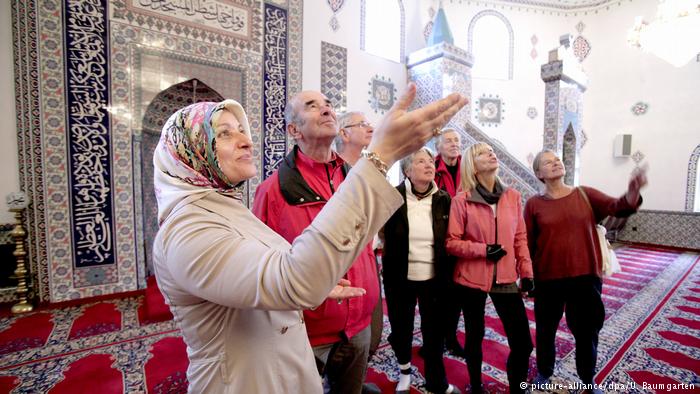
487 235
567 262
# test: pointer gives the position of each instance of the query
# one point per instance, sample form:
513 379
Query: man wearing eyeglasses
288 201
354 135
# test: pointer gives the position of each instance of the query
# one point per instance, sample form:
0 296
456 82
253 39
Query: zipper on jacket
495 266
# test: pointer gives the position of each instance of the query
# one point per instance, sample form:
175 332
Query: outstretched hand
402 132
343 291
637 181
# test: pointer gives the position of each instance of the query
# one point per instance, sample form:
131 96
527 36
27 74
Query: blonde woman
487 235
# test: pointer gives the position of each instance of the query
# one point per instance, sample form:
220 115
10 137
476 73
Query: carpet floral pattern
650 342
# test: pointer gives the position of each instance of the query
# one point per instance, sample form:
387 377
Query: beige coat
235 287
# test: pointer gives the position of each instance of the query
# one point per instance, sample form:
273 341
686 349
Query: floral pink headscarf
185 161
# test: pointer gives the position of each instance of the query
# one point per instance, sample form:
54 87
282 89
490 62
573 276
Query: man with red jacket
447 172
338 329
449 147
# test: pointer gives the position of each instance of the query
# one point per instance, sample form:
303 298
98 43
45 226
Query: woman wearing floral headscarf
235 286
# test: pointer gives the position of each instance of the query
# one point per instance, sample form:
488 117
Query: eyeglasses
363 124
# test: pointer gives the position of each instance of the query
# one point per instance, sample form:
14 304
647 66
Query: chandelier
673 35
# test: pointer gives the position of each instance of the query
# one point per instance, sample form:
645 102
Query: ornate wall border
692 178
559 8
29 141
274 140
511 36
363 14
43 143
89 143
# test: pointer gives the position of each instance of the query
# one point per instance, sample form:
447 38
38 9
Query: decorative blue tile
334 74
274 141
89 140
667 228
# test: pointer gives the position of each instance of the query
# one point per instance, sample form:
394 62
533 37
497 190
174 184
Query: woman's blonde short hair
468 179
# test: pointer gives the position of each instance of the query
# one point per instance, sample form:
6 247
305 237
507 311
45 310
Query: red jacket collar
443 178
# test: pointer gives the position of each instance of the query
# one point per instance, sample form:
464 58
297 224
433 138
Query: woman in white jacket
234 286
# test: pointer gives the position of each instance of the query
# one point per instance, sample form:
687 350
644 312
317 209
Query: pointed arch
569 156
158 111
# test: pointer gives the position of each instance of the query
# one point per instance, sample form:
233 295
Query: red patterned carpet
651 338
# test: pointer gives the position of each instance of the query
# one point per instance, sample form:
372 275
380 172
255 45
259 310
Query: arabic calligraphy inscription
214 14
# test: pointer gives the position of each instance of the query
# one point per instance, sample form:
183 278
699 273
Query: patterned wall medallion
531 112
581 48
382 94
489 110
637 157
334 74
640 108
530 158
335 5
580 26
533 52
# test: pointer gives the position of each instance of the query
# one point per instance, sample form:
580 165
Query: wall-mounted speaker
622 147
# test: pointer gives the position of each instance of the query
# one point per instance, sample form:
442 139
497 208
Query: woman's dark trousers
401 306
580 297
511 311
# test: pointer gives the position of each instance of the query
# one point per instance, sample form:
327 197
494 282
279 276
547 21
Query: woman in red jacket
487 235
564 246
